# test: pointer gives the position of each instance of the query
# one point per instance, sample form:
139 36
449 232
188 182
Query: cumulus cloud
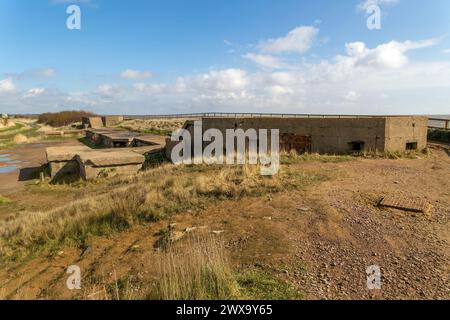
266 61
298 40
381 79
388 55
135 74
43 73
151 88
7 85
34 92
227 80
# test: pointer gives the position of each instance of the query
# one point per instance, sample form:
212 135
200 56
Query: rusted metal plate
407 204
293 142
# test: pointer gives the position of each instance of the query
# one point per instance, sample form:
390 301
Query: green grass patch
159 132
261 285
4 201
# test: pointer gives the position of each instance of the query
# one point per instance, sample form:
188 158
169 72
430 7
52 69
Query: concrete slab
61 154
110 158
407 204
150 139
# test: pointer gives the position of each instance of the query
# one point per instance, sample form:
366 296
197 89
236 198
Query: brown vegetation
63 118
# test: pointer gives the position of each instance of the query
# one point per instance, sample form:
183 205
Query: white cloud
388 55
298 40
266 61
351 96
219 80
106 89
135 74
34 92
446 51
151 88
7 85
43 73
382 79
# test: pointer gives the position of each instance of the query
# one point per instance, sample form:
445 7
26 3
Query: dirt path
321 240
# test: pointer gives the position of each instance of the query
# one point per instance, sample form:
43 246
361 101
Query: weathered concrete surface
111 120
92 122
64 153
111 158
149 140
403 130
96 164
62 160
116 138
330 135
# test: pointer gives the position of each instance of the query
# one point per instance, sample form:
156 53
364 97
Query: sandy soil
31 157
321 240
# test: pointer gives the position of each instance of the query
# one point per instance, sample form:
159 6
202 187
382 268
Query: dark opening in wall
119 144
357 145
411 146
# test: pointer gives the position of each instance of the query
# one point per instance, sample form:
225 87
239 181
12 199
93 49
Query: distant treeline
439 135
63 118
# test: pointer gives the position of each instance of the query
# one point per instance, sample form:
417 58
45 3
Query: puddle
5 159
8 169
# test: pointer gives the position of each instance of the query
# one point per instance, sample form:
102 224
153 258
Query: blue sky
145 56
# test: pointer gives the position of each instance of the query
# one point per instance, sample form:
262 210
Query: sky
185 56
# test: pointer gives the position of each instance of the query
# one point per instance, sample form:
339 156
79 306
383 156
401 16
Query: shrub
439 135
63 118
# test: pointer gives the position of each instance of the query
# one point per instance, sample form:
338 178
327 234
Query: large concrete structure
122 153
98 122
94 164
338 135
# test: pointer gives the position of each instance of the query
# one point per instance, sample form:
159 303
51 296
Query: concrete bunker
329 135
121 152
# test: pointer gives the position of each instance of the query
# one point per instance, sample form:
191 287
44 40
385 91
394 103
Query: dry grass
147 197
198 269
293 157
156 126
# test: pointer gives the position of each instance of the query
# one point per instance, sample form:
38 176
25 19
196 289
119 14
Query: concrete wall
89 172
328 135
111 120
403 130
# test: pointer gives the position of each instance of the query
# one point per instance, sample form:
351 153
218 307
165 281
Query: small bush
439 135
63 118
